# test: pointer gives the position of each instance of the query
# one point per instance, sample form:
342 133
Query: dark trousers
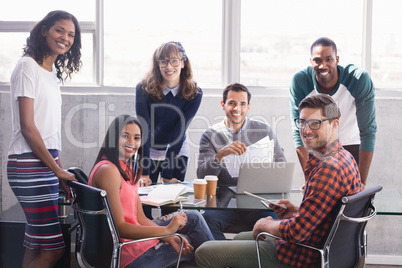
179 171
220 221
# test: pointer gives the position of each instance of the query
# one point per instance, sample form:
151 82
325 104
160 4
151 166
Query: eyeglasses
174 62
314 124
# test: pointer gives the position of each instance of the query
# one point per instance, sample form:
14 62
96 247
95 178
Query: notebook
265 178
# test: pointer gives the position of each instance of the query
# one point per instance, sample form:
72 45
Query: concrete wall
86 117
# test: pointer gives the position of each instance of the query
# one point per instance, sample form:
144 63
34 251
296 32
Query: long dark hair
110 148
153 83
37 47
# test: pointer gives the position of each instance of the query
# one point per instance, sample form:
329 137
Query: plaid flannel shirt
329 177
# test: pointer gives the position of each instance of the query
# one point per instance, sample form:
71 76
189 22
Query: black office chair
99 243
345 244
79 174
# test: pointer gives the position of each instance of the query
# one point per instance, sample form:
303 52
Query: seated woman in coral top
117 170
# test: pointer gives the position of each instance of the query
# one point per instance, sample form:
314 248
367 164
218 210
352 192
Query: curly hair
37 47
153 83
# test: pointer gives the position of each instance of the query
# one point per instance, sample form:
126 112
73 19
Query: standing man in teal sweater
353 91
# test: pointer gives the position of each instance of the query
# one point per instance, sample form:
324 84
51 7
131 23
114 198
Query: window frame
231 39
91 27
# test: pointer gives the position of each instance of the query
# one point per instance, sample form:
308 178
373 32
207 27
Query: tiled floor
74 264
381 266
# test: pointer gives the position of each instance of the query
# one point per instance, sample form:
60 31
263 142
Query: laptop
265 178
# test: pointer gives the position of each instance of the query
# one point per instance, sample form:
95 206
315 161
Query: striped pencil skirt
37 190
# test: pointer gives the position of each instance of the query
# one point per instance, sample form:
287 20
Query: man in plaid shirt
331 173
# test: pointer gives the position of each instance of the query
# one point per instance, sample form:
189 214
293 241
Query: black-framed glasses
314 124
164 62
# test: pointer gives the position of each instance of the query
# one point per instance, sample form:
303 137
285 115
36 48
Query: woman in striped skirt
51 55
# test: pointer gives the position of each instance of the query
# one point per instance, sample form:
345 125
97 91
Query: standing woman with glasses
51 55
167 99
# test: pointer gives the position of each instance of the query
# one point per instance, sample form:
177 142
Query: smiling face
171 74
60 37
324 62
236 108
318 139
129 141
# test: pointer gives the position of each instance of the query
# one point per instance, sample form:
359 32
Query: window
387 43
10 52
135 29
276 36
18 18
26 10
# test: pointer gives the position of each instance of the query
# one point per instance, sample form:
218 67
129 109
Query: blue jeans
163 254
219 220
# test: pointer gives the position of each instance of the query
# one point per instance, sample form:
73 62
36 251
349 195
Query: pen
181 207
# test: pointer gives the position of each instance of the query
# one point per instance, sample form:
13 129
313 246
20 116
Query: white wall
86 116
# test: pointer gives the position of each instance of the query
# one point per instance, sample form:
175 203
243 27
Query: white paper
171 191
261 151
164 194
145 189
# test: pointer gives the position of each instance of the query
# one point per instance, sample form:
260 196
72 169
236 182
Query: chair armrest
274 236
267 234
155 237
152 238
362 219
159 237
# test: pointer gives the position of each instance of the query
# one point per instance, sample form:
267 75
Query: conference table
12 221
387 202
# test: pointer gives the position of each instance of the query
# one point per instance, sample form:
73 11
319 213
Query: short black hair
236 87
325 42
